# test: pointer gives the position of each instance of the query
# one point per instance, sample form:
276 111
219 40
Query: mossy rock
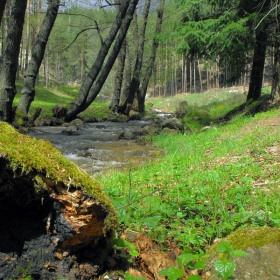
262 246
244 238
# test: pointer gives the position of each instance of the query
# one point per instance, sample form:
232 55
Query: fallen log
55 220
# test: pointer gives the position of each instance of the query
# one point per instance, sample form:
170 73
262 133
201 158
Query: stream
96 147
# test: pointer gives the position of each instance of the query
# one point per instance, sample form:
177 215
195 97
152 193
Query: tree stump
55 220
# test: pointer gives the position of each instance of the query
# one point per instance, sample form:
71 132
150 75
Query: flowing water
97 147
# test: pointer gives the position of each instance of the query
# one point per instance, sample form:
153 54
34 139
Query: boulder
182 109
152 128
262 246
55 220
173 123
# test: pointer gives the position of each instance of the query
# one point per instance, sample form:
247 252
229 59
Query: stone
173 123
262 246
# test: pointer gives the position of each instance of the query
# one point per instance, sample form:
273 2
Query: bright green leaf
224 269
172 273
224 247
184 259
194 277
199 265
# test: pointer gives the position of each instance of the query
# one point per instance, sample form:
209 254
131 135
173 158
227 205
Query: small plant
192 261
121 244
225 267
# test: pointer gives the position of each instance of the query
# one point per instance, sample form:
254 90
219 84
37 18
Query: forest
131 50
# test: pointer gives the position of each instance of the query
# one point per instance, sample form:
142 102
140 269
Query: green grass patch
208 185
62 95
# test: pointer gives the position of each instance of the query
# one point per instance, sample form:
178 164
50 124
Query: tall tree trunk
191 75
146 77
2 9
46 67
194 75
38 51
87 95
116 96
127 76
135 82
200 76
27 36
256 78
275 88
9 60
185 74
115 102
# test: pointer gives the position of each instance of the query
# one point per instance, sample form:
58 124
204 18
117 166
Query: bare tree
2 9
9 60
38 51
135 82
148 71
100 69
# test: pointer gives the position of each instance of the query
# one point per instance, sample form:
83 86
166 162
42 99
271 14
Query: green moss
40 158
20 118
245 238
254 237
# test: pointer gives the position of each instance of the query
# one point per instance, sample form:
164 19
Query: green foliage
128 276
172 273
121 244
214 31
225 267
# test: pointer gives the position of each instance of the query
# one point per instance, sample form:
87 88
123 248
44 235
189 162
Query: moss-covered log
55 220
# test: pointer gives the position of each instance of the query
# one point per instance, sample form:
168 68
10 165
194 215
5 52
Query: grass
208 185
48 97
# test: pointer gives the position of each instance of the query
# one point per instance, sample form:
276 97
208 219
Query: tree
100 69
9 60
38 50
148 72
135 81
2 9
261 35
275 89
225 32
120 65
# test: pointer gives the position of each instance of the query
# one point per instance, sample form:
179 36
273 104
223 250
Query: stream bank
98 147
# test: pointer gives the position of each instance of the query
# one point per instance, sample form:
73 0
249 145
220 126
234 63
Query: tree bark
146 78
135 82
2 9
275 88
115 102
87 95
255 86
38 51
9 60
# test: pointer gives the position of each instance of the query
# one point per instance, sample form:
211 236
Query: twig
136 200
